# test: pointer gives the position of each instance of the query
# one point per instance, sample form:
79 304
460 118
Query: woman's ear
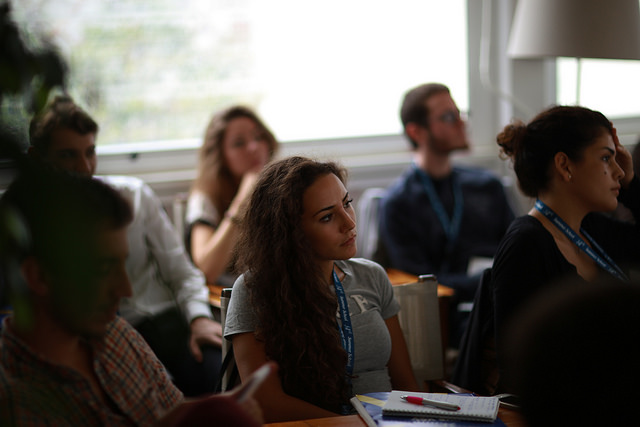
563 166
35 276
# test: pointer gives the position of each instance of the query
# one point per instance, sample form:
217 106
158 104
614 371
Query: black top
528 259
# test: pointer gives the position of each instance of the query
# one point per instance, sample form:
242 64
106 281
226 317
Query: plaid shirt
36 392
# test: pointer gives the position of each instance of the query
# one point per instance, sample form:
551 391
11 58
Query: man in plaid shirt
66 357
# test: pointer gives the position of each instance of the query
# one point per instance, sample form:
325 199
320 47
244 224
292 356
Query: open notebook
472 408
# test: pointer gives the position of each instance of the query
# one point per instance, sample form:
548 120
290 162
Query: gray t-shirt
371 301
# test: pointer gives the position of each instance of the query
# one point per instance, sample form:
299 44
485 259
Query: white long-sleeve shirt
160 272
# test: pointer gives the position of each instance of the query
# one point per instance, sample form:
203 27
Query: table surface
510 417
396 277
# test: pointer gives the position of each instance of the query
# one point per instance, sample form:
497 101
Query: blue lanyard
451 226
346 331
606 264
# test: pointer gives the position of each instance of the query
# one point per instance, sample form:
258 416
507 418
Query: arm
275 403
218 409
211 247
185 281
399 365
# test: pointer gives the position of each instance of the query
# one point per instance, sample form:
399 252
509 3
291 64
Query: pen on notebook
417 400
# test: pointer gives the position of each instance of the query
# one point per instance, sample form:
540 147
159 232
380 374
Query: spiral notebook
472 408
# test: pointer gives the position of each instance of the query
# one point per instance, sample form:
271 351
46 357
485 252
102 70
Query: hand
624 160
245 190
252 408
222 408
204 331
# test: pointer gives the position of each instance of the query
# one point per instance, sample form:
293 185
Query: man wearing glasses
437 217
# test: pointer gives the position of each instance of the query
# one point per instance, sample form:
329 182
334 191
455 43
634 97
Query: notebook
472 408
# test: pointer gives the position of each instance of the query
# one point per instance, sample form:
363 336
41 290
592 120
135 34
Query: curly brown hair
294 303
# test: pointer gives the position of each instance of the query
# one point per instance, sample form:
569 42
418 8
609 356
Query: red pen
417 400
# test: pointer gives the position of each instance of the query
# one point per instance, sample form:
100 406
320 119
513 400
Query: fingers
195 349
252 408
614 134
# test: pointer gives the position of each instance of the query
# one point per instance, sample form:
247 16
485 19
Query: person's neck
571 213
47 338
436 165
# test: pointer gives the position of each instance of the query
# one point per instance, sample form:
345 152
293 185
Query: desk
396 277
510 417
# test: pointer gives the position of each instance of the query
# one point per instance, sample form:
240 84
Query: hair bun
511 137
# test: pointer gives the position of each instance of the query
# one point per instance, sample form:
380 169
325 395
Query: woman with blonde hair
329 321
237 145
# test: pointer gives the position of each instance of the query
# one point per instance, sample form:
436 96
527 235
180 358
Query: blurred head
74 262
64 135
430 117
561 129
236 142
576 346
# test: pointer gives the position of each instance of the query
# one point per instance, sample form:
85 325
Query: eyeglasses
452 117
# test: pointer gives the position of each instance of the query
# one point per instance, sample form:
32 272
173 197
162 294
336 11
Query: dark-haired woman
570 160
328 320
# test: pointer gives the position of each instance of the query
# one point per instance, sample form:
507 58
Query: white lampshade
576 28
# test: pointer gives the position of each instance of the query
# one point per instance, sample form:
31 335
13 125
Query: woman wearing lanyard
570 160
328 320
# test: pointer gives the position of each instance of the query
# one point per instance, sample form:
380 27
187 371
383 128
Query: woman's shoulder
363 271
525 224
360 264
526 232
200 208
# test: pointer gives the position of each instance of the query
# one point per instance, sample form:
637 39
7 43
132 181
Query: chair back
420 322
367 216
229 367
476 366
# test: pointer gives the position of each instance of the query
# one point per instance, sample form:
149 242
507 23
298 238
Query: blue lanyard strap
451 226
346 331
606 264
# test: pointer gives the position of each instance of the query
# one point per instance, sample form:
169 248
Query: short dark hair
414 105
59 212
61 113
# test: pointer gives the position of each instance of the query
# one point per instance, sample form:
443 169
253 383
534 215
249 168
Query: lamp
576 28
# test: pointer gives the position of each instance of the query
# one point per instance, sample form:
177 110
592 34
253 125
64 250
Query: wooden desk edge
509 417
396 277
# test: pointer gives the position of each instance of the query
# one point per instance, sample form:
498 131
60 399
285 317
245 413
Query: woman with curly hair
237 145
328 320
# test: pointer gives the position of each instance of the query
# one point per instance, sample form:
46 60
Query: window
155 70
609 86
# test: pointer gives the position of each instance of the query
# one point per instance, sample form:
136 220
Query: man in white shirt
169 305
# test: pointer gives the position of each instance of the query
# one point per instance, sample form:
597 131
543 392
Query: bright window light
609 86
155 70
